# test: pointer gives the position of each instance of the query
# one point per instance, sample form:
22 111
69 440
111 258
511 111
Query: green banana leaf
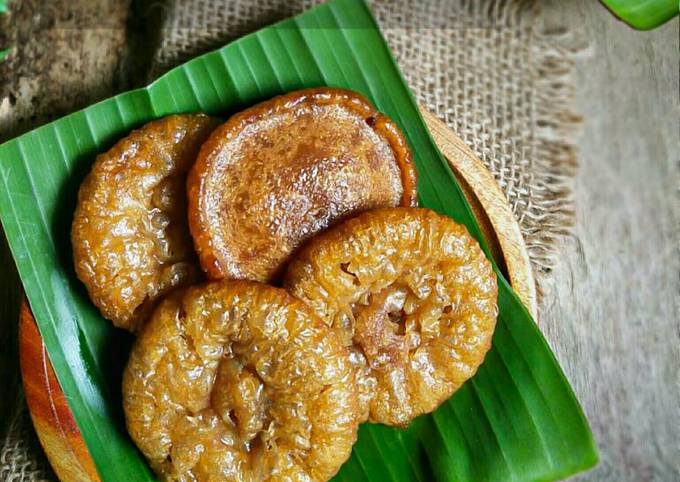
643 14
516 420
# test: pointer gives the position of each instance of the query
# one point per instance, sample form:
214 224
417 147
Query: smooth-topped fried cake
278 173
412 295
236 380
131 242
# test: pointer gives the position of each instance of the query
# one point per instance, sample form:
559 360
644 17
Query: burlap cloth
488 68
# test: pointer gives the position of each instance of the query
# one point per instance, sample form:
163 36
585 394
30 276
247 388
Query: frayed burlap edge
558 127
538 177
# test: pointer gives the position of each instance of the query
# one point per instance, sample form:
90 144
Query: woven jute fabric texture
21 457
487 68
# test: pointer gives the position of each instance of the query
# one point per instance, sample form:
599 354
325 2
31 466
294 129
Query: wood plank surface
612 311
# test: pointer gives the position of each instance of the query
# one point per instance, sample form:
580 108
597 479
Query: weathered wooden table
612 309
613 315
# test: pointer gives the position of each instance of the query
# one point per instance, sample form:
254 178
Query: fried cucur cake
278 173
131 242
236 380
412 295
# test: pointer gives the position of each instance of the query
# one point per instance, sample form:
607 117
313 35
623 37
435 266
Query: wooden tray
52 418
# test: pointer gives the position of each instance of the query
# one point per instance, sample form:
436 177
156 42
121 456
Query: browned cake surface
278 173
131 242
412 295
235 380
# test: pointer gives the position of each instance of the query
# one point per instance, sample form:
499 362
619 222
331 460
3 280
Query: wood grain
52 418
612 313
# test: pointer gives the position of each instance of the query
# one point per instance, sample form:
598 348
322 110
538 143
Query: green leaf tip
643 14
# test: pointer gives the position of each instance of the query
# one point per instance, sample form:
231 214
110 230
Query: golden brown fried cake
236 380
414 297
278 173
131 242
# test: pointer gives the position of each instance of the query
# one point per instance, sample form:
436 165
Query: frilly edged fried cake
130 237
237 380
412 295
